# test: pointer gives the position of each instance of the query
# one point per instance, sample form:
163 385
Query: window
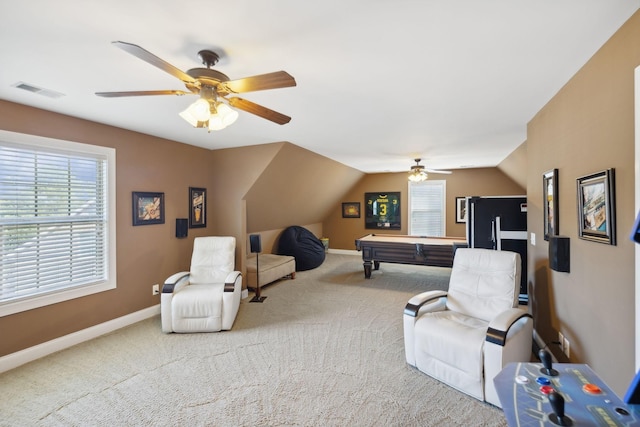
57 221
427 208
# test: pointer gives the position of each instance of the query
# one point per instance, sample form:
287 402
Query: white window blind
427 208
54 222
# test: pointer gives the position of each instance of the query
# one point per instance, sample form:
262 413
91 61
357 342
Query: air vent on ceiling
40 91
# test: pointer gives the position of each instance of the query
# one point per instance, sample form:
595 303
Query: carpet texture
325 349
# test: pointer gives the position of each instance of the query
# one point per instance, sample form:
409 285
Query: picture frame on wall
351 210
550 216
147 208
596 207
461 210
382 210
197 207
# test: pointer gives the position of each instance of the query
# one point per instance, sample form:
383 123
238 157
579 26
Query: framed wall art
596 207
147 207
461 209
197 207
382 210
550 203
351 210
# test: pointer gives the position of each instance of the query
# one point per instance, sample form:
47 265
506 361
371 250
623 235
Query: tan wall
145 254
515 165
342 232
588 127
269 186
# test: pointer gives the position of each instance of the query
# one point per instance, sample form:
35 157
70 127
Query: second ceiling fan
212 108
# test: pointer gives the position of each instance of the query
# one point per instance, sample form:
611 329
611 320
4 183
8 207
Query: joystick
557 404
545 358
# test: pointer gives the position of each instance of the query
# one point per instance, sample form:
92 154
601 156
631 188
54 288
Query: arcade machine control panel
541 395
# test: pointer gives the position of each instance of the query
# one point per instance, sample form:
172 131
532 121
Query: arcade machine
567 394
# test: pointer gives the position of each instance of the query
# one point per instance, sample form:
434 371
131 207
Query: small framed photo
461 209
550 203
596 207
197 207
148 208
351 210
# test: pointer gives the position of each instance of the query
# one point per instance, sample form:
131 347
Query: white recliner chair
466 335
206 298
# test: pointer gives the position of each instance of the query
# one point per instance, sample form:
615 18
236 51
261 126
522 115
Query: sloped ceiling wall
296 187
515 165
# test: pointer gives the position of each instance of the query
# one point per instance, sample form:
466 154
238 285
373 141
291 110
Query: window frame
68 147
443 185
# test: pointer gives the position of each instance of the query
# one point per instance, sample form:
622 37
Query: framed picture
550 203
461 209
382 210
351 210
596 207
197 207
148 208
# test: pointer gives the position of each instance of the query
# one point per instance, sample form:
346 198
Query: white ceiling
378 83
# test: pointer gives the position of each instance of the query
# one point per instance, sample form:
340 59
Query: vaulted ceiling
378 83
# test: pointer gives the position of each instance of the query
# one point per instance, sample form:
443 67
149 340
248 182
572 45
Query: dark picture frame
351 210
197 207
147 207
551 220
461 210
596 207
382 210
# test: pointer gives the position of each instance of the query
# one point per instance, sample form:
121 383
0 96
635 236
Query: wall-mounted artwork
596 207
147 207
550 203
461 209
382 210
197 207
351 210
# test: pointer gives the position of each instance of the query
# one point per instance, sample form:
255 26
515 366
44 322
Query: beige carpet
325 349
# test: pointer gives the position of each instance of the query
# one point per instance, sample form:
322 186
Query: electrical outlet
156 289
566 347
533 239
561 341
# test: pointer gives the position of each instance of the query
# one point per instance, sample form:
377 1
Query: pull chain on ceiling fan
212 110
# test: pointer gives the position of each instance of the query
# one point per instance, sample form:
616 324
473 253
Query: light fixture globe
417 172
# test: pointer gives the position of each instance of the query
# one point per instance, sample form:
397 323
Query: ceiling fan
213 87
418 172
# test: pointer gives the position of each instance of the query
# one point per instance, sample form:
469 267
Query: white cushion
213 258
449 347
198 308
482 282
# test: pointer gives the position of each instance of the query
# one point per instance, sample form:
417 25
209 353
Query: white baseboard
30 354
244 294
343 251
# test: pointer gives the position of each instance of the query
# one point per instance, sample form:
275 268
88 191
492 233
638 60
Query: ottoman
272 267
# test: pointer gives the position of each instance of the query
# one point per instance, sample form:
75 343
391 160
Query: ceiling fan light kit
208 111
418 172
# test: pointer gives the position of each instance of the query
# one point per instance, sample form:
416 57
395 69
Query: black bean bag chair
301 244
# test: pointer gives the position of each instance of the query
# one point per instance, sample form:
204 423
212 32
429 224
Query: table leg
376 265
367 269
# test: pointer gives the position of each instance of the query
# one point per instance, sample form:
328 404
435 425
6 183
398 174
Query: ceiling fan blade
142 93
438 171
275 80
149 57
259 110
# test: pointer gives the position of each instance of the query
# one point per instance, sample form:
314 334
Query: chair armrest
230 281
174 281
499 326
417 302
